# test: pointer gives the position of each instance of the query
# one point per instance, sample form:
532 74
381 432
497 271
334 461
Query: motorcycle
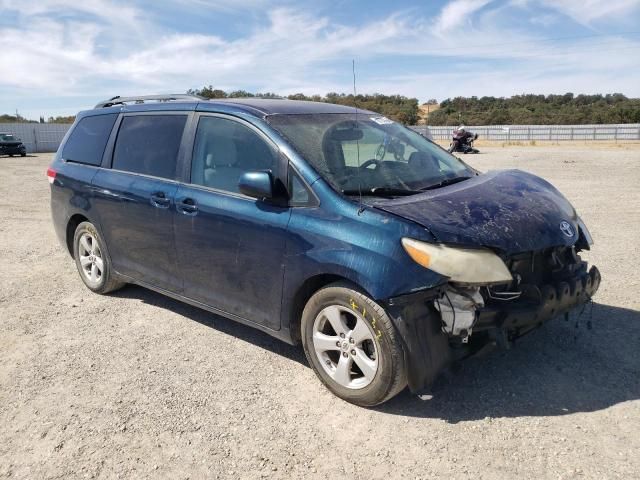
463 143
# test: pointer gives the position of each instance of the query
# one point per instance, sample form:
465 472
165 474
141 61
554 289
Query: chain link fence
548 133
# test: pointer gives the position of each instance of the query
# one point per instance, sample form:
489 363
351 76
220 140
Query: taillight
51 174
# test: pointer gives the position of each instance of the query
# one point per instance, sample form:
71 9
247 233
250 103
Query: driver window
224 150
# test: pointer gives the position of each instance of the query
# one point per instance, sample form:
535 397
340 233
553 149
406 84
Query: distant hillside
425 111
564 109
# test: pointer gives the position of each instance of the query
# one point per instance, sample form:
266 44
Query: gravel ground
137 385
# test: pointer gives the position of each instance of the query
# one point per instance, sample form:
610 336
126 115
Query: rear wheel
92 260
352 346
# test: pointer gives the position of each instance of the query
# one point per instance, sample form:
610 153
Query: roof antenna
355 106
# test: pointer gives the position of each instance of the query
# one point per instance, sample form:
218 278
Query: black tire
23 154
107 281
390 377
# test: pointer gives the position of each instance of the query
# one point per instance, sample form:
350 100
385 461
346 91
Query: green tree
396 107
532 109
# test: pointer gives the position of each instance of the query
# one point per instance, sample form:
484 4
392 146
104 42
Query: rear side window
88 139
149 144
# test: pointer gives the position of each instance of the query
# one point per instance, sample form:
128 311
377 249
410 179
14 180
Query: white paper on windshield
381 120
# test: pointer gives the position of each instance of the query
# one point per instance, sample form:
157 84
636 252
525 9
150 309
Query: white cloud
107 11
588 11
94 51
456 13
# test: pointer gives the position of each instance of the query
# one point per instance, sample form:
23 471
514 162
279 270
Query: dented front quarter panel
360 245
363 245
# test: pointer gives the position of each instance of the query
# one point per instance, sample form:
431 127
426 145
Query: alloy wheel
90 257
345 346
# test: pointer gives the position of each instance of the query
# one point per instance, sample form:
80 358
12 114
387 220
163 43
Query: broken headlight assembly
467 269
460 265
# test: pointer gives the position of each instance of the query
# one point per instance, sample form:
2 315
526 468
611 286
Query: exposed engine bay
545 284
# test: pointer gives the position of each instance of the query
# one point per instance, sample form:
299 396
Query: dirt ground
135 385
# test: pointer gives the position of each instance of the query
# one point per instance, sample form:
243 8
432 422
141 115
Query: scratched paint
510 210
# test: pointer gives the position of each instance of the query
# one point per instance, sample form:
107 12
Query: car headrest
222 153
420 159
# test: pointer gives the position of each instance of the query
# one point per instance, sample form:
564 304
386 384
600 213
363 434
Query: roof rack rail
118 100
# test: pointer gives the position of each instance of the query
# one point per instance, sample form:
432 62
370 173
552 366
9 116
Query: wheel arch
72 224
302 295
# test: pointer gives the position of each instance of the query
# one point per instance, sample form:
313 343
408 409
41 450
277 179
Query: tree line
527 109
567 109
396 107
5 118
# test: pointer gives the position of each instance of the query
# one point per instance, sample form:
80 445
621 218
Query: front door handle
188 206
160 200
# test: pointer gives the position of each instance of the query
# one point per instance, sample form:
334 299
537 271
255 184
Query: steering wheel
367 164
372 161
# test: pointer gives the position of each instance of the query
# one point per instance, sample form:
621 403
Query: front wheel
352 345
92 260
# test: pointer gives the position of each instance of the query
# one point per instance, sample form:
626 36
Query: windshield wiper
445 182
382 192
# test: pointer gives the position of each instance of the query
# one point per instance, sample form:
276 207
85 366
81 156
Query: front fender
364 248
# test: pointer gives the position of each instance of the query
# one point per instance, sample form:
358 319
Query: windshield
7 137
370 153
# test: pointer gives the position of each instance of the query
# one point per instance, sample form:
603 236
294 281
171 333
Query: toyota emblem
566 228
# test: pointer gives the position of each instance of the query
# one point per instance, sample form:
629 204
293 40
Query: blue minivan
336 228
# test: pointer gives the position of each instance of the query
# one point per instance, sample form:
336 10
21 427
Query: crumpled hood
509 210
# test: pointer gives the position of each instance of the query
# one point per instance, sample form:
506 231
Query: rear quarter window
149 144
88 139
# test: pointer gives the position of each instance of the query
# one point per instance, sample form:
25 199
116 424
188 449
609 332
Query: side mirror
256 184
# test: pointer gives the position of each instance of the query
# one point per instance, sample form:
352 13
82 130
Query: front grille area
545 266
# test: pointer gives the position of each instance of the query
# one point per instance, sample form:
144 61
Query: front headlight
459 264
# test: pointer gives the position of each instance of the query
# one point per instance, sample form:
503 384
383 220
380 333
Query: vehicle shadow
557 370
216 322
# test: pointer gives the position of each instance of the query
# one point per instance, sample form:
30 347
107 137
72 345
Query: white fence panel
46 137
525 133
38 137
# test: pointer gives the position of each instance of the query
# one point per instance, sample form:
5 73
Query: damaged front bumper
432 341
538 304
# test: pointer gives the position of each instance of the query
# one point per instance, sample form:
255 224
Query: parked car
11 145
287 216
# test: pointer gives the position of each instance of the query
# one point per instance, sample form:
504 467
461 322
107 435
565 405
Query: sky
61 56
